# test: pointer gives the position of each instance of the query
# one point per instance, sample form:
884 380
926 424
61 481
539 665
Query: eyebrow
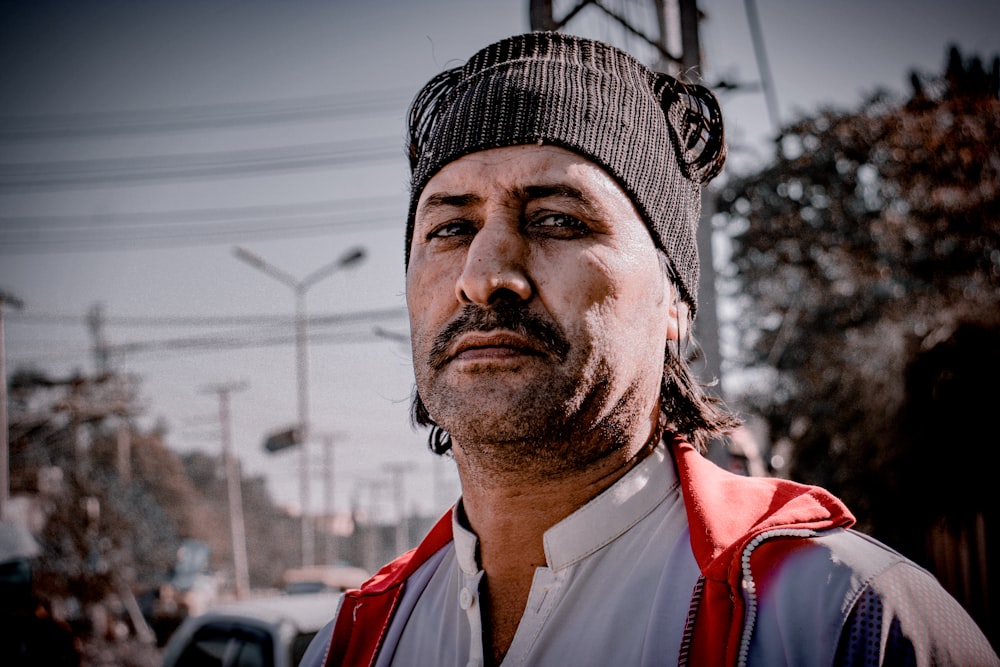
446 200
440 200
554 190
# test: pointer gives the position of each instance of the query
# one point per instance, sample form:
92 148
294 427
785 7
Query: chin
491 418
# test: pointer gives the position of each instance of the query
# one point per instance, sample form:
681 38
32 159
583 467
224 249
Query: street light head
8 299
248 257
260 264
352 256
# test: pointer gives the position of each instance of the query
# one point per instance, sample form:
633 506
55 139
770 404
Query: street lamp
300 287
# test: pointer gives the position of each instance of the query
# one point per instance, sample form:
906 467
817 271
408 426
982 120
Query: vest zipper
750 587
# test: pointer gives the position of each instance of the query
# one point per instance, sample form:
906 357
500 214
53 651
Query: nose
495 268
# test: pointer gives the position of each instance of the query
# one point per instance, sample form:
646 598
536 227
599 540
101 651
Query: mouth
493 346
501 333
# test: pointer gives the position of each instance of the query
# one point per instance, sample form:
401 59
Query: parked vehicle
271 631
323 578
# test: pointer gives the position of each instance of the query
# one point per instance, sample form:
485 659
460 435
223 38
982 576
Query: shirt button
465 599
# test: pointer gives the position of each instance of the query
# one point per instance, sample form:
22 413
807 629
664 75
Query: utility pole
368 520
5 300
102 368
300 287
690 42
398 470
440 499
763 66
95 321
707 326
123 443
241 572
330 550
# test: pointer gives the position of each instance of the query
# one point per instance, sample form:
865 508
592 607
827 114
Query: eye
561 224
452 228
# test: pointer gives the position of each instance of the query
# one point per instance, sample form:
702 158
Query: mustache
544 334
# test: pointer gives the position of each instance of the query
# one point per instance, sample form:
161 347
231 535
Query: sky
142 142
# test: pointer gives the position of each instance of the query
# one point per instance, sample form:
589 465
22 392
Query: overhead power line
198 344
256 332
35 223
222 164
80 241
211 321
46 234
213 116
238 341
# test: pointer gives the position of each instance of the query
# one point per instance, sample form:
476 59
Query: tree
873 238
115 501
870 227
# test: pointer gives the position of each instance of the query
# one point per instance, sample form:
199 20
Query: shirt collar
466 542
598 523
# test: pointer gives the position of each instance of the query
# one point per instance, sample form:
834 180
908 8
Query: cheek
419 297
430 297
586 301
608 283
571 290
625 304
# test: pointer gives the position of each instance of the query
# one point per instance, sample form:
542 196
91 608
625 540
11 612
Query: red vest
725 512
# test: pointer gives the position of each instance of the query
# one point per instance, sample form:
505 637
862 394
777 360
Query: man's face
538 307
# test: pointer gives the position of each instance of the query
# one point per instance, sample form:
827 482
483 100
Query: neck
510 508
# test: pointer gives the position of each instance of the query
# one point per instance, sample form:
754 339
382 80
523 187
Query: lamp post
300 287
5 300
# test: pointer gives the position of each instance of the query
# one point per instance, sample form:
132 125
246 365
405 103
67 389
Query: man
551 281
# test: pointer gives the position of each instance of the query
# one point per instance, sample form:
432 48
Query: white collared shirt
615 589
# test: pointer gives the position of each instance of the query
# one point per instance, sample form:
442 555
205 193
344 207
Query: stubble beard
547 428
553 413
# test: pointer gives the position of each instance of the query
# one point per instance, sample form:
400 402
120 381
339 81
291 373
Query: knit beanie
660 139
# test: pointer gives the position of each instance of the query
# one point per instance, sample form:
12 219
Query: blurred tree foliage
112 502
873 238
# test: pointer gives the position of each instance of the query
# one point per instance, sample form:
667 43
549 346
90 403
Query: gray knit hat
660 139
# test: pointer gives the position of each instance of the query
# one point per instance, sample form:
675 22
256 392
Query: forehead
512 169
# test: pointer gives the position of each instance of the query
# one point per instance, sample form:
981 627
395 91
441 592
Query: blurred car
323 578
271 631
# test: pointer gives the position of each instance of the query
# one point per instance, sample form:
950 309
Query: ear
678 315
